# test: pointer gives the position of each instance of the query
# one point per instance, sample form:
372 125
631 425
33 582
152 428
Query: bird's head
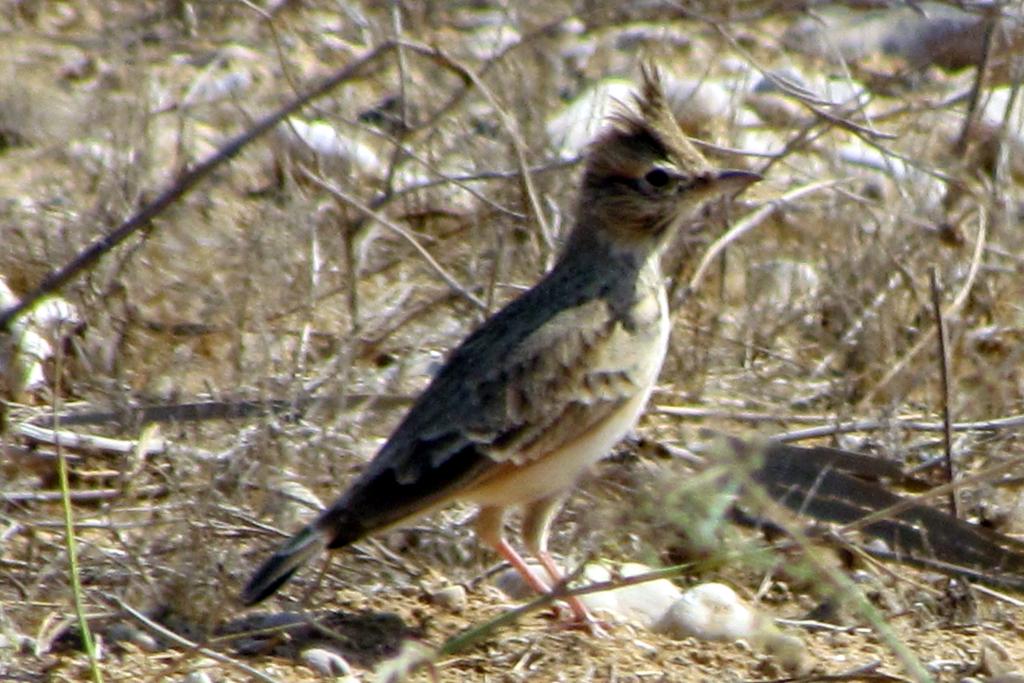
643 178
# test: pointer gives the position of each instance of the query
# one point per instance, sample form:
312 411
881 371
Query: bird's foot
581 618
585 621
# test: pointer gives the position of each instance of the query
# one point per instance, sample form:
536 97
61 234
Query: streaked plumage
550 383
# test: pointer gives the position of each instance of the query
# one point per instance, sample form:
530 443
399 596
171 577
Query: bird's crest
645 132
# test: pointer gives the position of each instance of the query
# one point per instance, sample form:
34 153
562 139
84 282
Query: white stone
326 662
452 598
644 603
340 154
197 677
710 611
698 103
571 130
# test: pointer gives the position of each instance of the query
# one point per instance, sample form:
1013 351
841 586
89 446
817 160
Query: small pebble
288 502
325 662
16 643
451 598
995 659
786 650
127 633
340 154
511 584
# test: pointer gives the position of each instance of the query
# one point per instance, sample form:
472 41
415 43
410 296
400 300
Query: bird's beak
730 182
726 183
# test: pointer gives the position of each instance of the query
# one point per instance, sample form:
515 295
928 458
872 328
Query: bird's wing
560 382
534 377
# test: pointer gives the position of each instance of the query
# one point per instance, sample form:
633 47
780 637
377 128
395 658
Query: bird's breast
625 363
639 339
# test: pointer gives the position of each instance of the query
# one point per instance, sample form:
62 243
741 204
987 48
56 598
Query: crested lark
546 386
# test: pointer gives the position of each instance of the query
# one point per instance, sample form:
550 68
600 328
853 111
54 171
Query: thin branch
90 496
973 109
869 312
951 310
87 258
351 200
1008 423
68 439
518 144
947 432
747 224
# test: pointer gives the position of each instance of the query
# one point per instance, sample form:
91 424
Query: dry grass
269 281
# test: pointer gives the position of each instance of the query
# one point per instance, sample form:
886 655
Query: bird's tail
280 566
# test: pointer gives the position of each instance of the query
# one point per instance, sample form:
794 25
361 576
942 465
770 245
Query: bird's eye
657 177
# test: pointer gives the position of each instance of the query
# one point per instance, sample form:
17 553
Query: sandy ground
268 280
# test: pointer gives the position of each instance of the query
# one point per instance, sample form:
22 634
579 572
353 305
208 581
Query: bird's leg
489 527
536 523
